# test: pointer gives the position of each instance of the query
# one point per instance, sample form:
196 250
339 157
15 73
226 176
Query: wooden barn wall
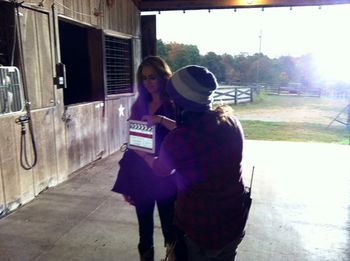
95 129
19 185
121 16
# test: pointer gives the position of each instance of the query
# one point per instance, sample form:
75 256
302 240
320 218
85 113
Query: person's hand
152 119
129 200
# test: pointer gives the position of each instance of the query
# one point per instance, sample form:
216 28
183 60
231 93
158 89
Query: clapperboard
141 136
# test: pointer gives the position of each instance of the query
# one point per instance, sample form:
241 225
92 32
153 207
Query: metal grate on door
11 98
118 62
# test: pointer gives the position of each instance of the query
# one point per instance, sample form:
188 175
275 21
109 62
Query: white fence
232 94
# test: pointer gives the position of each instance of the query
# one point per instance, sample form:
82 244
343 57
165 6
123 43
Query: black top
136 179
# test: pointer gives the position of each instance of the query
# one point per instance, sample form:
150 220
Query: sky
322 31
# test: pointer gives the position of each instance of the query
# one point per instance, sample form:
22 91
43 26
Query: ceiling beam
162 5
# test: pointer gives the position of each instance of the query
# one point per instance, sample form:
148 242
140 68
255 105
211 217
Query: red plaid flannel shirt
210 186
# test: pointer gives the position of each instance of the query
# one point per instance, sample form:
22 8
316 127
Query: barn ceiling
162 5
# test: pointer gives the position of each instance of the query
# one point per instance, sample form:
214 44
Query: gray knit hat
192 87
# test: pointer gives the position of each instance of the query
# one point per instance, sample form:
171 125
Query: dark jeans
145 216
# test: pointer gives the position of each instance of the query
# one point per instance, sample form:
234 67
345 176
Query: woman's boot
147 255
169 252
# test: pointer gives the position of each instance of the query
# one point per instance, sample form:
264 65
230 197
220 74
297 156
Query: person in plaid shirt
205 150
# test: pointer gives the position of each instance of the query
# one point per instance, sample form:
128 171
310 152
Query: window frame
95 88
97 59
119 35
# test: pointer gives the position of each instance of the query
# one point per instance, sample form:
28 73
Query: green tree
264 69
213 62
162 49
242 68
178 55
231 75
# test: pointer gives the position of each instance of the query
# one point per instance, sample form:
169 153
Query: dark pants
145 216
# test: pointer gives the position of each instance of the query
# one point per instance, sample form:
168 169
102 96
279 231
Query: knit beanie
192 87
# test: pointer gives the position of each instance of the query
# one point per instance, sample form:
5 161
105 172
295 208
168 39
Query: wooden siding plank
100 10
80 132
135 18
2 193
79 15
73 9
128 21
114 14
123 125
104 16
86 9
45 171
87 130
45 59
26 176
104 129
94 5
100 142
48 3
68 8
112 127
73 140
30 55
9 169
123 15
60 139
59 6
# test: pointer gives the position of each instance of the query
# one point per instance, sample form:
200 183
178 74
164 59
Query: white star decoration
121 110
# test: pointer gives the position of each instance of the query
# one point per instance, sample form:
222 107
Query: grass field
294 118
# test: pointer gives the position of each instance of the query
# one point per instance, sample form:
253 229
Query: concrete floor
301 199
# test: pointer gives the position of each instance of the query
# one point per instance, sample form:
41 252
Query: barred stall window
11 97
118 65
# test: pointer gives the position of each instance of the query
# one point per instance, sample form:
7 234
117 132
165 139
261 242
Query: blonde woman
136 180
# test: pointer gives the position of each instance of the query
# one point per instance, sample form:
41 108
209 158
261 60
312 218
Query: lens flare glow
333 66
